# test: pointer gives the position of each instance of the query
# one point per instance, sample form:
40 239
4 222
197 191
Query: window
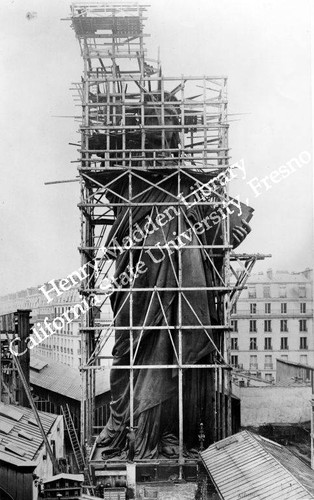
267 344
234 325
235 361
283 325
252 292
302 291
252 308
282 291
303 308
303 359
253 344
267 308
234 344
253 325
283 308
266 292
253 362
269 377
268 362
267 325
284 343
303 325
303 343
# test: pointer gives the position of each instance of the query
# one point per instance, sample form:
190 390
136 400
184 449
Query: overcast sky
264 49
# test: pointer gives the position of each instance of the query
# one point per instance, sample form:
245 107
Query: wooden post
180 374
312 420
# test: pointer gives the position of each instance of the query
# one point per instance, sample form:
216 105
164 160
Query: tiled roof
249 466
63 379
20 437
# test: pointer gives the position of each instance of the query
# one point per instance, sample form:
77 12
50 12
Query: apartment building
273 319
64 345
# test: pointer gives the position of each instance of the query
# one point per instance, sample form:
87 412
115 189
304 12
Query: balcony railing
253 366
268 366
295 313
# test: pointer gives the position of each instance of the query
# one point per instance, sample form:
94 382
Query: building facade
64 344
273 319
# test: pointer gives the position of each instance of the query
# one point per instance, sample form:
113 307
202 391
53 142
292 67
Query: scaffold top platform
101 20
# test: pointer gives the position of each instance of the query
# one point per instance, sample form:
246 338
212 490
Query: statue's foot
109 453
170 451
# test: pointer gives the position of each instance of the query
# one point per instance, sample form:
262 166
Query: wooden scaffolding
118 85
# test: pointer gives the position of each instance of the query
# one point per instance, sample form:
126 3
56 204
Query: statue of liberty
161 229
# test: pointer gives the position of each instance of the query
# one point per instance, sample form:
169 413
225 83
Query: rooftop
293 363
249 466
71 477
63 379
20 437
281 277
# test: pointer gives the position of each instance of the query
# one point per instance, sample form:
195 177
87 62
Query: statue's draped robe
156 390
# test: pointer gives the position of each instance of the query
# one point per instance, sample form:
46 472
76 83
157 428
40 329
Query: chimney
308 273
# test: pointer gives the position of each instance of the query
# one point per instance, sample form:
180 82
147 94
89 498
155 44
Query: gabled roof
63 475
63 379
249 466
20 437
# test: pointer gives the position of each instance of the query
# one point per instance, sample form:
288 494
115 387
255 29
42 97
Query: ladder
76 447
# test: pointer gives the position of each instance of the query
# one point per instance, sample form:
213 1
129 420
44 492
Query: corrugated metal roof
63 379
248 466
22 442
291 462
